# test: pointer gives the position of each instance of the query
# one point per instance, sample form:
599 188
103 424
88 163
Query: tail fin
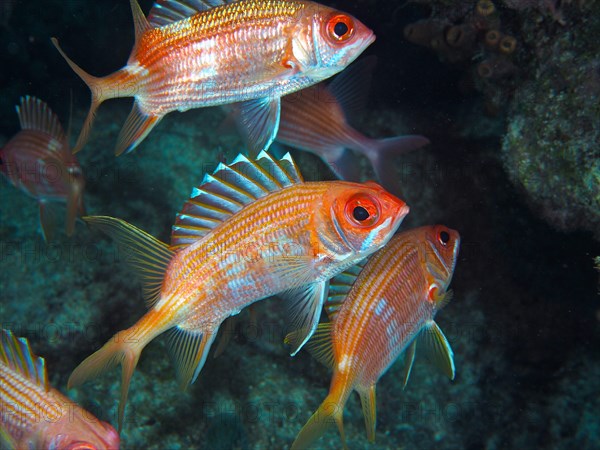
331 411
382 152
101 89
121 349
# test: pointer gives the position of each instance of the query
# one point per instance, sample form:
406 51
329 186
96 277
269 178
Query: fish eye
444 237
360 213
340 27
363 210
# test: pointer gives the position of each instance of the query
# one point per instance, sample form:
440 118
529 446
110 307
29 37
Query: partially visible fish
38 161
33 415
376 314
197 53
315 120
250 230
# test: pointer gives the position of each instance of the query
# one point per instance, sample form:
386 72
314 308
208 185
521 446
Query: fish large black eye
360 214
444 237
340 29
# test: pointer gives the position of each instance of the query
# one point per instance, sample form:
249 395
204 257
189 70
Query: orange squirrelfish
315 120
188 54
33 415
392 301
38 160
250 230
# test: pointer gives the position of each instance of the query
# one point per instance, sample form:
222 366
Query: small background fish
38 161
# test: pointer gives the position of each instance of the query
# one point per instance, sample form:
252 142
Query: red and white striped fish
315 120
33 415
196 53
38 161
250 230
376 314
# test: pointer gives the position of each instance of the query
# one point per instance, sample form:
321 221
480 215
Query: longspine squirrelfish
316 120
188 54
38 160
250 230
33 415
376 314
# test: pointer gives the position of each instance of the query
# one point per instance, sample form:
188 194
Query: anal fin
136 128
367 400
189 349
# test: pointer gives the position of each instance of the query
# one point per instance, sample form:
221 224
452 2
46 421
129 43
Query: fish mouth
369 39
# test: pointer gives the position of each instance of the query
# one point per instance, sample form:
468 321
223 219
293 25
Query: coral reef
551 149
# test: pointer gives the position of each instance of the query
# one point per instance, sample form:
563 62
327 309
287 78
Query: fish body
38 161
250 51
315 120
391 302
36 416
251 230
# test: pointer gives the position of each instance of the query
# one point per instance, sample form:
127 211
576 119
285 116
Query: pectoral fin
304 305
437 348
259 122
409 359
47 220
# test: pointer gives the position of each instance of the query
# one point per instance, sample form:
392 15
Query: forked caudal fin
381 154
121 349
330 412
149 257
116 85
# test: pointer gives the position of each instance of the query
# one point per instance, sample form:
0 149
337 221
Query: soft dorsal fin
165 12
16 354
229 189
140 23
339 287
36 115
145 254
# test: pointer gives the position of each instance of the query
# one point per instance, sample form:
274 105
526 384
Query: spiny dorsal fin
339 287
228 190
16 354
36 115
148 256
165 12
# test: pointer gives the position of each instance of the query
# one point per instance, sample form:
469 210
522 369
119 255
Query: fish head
362 216
326 41
441 252
80 430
